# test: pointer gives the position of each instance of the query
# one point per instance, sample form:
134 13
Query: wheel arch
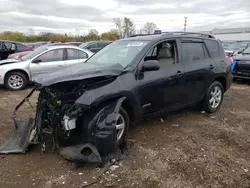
17 70
222 79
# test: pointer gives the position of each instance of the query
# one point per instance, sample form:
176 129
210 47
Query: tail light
229 59
30 49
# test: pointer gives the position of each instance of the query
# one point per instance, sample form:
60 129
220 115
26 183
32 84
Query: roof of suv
165 35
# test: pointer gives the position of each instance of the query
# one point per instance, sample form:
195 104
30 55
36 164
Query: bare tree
119 27
149 28
124 28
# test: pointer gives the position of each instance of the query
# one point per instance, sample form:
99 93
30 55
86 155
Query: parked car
18 55
94 46
10 47
90 106
15 74
241 68
36 44
225 44
236 48
75 43
21 54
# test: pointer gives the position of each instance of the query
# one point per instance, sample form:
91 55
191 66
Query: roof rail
177 32
137 35
189 33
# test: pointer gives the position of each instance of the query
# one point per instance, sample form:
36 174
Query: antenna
185 24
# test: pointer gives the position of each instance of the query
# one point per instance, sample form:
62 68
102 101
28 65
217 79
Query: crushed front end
80 133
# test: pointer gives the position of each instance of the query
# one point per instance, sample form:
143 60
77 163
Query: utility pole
185 24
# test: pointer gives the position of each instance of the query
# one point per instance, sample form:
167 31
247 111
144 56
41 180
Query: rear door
199 67
74 56
49 61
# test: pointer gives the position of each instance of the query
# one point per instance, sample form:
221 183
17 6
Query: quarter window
213 48
76 54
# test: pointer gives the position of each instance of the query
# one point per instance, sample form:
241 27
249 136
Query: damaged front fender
101 133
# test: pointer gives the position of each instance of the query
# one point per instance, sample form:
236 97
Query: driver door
49 61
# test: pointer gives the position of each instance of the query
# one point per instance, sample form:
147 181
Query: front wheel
213 98
16 81
122 125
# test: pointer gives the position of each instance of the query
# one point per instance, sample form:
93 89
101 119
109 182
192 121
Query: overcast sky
78 16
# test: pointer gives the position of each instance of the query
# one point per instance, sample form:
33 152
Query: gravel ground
181 149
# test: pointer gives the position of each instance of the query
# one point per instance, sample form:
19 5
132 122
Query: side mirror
37 61
150 65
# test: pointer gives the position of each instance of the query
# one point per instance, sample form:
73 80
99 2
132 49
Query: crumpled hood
78 72
8 61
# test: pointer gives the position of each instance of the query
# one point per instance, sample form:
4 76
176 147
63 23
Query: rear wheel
213 98
15 81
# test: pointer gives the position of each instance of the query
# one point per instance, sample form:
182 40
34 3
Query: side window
53 55
76 54
213 48
8 45
21 47
164 52
82 55
193 51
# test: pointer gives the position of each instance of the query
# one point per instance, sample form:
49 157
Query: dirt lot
183 149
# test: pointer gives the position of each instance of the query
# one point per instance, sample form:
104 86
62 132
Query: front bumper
97 140
241 75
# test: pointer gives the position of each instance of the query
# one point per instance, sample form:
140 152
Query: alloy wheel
15 81
215 97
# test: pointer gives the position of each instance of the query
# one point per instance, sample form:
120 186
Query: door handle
59 65
179 73
211 67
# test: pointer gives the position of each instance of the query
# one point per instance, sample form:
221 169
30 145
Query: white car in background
15 74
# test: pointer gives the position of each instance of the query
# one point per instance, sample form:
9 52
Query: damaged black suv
88 107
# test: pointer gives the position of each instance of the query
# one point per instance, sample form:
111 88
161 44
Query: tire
124 135
21 81
207 104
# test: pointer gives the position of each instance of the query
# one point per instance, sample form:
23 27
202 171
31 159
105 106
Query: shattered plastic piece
246 170
175 125
74 153
131 140
203 112
162 120
18 141
114 167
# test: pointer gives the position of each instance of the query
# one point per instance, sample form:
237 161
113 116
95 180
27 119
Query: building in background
231 34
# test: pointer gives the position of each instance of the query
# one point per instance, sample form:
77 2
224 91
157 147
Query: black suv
129 79
94 46
10 47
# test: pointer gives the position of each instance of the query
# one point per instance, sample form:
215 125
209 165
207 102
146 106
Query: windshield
34 53
247 51
120 52
83 45
237 45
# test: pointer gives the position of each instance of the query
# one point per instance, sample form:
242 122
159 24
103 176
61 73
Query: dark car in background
241 68
94 46
10 47
236 48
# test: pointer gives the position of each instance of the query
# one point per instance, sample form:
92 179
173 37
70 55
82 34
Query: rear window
213 48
